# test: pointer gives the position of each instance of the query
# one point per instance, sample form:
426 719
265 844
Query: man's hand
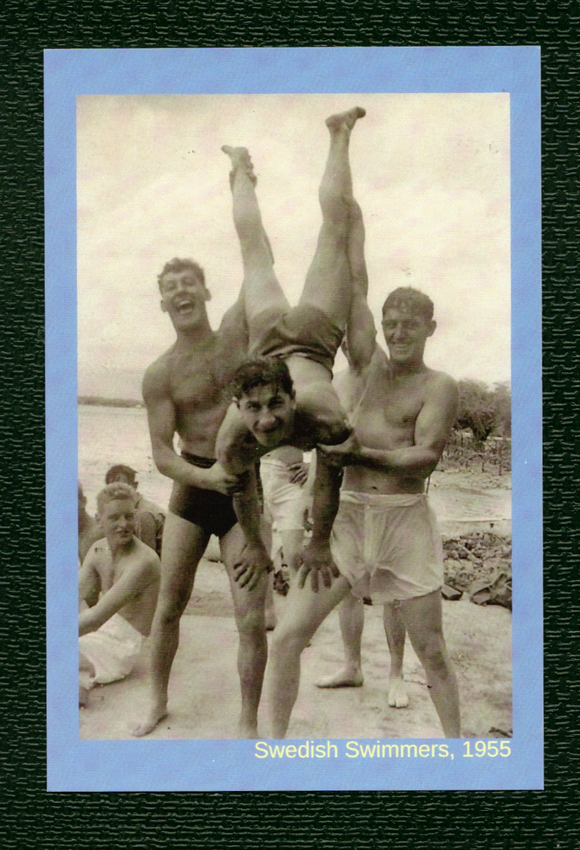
343 455
298 472
252 563
317 559
216 478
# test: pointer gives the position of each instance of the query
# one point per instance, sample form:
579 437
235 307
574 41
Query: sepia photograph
294 332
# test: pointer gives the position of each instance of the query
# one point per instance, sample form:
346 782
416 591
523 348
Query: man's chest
390 404
202 380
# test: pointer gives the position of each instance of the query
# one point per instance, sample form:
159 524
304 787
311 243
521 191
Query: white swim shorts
387 546
113 650
284 502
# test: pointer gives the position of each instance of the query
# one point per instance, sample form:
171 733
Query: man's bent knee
288 643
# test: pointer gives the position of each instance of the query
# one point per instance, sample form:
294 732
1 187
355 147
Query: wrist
318 542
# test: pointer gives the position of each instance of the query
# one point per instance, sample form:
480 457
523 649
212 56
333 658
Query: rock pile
480 564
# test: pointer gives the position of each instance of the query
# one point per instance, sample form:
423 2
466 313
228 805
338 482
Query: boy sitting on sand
124 572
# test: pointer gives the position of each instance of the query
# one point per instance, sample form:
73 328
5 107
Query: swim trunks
113 650
387 546
212 511
284 502
304 330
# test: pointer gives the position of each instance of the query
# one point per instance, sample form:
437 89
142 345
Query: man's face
268 412
183 297
118 520
406 334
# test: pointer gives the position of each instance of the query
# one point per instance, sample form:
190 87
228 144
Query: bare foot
345 678
241 161
138 730
347 119
247 731
397 693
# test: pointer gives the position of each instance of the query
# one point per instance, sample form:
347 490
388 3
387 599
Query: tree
483 410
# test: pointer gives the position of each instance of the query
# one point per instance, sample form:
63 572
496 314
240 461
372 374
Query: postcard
206 206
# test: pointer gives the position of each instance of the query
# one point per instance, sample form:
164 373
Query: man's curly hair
410 300
178 265
112 492
261 372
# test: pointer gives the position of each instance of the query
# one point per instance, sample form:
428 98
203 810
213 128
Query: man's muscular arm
432 429
161 416
236 449
317 556
133 581
254 559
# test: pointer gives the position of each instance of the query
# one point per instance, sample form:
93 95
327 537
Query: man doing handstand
306 337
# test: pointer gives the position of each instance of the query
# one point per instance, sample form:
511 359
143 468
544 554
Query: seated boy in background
124 573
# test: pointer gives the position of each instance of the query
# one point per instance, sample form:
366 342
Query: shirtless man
306 337
349 386
184 394
149 518
125 572
384 540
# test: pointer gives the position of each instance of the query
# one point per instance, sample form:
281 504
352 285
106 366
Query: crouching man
123 573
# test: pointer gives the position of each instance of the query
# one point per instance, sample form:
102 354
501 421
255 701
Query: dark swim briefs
304 330
212 511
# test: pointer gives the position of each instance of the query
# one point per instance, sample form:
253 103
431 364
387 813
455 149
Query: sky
430 171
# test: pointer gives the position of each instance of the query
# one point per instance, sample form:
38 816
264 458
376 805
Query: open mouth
185 308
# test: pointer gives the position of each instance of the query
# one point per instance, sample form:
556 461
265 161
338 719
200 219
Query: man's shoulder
139 560
230 344
156 378
160 366
440 390
440 380
147 559
100 547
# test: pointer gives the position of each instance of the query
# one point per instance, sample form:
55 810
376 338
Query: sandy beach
204 687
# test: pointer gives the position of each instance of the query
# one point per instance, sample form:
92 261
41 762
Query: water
110 435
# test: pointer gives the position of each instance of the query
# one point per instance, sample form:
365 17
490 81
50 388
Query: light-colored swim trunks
284 502
113 650
388 547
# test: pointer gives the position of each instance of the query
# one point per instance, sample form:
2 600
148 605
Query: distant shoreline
109 402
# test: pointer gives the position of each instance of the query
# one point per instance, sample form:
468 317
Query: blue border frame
75 765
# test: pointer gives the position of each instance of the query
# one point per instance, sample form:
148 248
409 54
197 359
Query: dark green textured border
351 820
